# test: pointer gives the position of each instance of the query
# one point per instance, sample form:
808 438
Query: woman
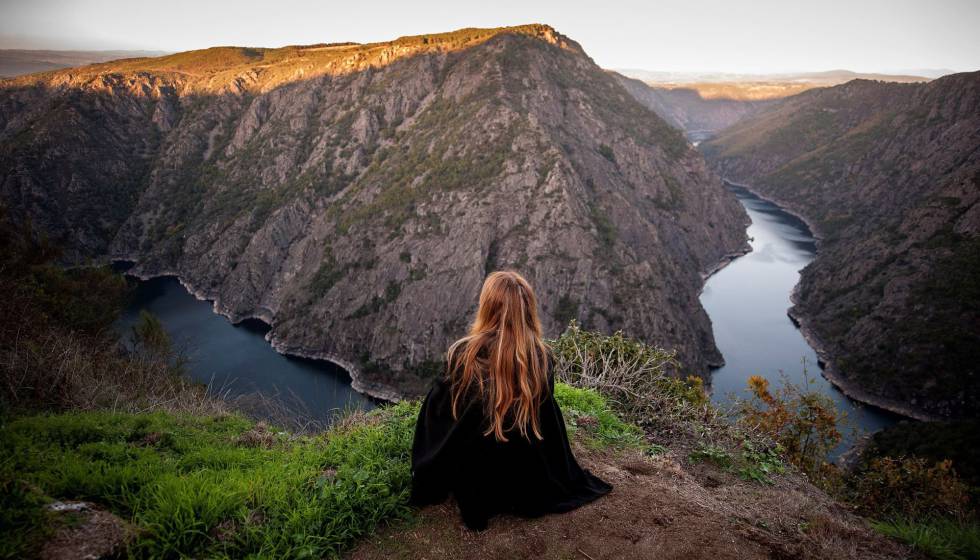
490 432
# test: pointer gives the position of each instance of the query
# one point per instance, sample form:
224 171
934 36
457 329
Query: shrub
801 421
910 487
637 379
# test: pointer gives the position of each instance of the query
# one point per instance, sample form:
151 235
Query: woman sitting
490 432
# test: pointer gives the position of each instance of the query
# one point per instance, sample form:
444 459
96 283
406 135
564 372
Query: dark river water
747 302
236 359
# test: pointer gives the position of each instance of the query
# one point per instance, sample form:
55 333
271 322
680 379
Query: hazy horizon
762 37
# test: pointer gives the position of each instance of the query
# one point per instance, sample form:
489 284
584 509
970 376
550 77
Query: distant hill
825 78
889 176
355 196
16 62
701 104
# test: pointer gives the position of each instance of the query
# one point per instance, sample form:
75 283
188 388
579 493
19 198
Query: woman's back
470 443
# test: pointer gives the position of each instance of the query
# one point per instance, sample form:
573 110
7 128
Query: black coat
526 477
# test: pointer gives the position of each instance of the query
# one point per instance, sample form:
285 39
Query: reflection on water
747 302
236 358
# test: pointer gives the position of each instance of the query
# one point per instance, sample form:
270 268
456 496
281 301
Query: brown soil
661 507
84 531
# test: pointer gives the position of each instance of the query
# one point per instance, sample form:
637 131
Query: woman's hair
503 356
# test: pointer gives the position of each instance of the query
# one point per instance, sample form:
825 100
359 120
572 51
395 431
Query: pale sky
671 35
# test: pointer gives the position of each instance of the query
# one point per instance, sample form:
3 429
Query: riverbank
358 379
826 359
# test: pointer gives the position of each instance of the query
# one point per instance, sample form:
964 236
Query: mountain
888 175
355 196
687 108
15 62
702 104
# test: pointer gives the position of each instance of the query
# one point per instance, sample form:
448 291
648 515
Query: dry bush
639 380
911 488
69 371
58 349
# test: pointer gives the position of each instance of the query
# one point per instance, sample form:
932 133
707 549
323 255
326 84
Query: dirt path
661 507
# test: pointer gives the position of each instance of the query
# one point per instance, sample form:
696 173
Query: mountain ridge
356 206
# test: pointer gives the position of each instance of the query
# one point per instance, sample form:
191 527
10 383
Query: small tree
803 422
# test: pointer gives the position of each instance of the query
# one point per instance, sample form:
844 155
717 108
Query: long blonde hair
504 355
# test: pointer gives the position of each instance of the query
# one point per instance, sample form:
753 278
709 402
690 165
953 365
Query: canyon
354 196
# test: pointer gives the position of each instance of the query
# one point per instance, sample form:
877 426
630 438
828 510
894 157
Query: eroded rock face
889 176
355 196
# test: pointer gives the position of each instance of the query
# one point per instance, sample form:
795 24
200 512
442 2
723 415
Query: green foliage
21 516
910 488
706 452
934 441
605 227
759 464
941 539
392 290
567 309
195 487
223 486
751 463
586 409
607 152
150 335
803 422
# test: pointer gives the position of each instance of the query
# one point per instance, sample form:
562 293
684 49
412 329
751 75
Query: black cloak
525 477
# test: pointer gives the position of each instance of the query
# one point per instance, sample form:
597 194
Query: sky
761 36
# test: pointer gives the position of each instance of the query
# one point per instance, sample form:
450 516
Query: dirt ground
661 507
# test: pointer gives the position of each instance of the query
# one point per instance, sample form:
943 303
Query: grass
223 486
587 410
201 486
942 539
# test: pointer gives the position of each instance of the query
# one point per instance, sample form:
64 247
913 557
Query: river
235 359
747 302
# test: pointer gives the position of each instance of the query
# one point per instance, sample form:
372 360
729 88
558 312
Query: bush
911 488
637 379
802 422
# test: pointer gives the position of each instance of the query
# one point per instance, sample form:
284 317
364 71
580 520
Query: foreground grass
942 539
222 486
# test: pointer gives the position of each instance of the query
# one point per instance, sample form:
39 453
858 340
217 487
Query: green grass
195 488
939 539
587 409
202 487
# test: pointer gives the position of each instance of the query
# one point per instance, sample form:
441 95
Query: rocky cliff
354 196
889 177
687 109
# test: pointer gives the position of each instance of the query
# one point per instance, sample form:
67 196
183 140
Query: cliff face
889 176
687 109
354 196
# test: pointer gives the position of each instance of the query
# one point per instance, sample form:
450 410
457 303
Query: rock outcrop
354 196
889 177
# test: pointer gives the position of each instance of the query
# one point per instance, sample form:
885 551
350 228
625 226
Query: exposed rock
355 196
